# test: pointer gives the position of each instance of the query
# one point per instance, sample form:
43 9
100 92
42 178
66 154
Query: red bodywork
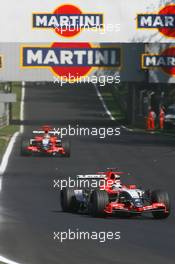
112 207
55 145
53 148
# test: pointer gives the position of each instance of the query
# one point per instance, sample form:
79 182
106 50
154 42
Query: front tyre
66 146
159 196
24 147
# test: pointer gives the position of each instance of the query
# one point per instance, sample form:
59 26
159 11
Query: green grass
157 131
116 112
16 88
112 105
7 131
3 144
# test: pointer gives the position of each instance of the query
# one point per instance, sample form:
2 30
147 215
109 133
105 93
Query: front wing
50 151
114 207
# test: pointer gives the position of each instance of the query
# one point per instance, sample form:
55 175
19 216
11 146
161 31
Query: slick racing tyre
24 144
159 196
99 200
66 146
68 200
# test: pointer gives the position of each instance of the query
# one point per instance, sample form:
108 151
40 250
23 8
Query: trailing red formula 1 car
112 197
45 142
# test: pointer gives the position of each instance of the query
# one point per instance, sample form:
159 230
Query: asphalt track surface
29 205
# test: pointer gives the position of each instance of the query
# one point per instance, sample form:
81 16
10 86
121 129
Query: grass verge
7 131
157 131
117 113
112 105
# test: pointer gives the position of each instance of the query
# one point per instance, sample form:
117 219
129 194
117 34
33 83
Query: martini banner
88 21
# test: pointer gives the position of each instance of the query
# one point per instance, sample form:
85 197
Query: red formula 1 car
46 142
112 197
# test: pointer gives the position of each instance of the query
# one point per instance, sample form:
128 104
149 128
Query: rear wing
52 132
91 176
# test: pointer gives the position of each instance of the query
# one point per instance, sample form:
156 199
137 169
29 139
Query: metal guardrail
4 120
4 117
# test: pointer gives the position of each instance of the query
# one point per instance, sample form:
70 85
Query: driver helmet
46 135
46 139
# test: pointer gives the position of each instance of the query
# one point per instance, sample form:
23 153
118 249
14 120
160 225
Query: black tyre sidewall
24 144
66 146
68 200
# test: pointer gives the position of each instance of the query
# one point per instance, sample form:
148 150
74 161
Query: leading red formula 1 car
45 142
112 197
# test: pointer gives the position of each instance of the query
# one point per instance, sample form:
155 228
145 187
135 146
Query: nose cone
138 203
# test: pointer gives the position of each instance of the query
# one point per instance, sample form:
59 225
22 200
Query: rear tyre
66 146
68 200
159 196
24 147
99 200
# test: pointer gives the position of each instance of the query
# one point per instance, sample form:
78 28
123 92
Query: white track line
7 153
22 107
7 261
108 112
127 129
